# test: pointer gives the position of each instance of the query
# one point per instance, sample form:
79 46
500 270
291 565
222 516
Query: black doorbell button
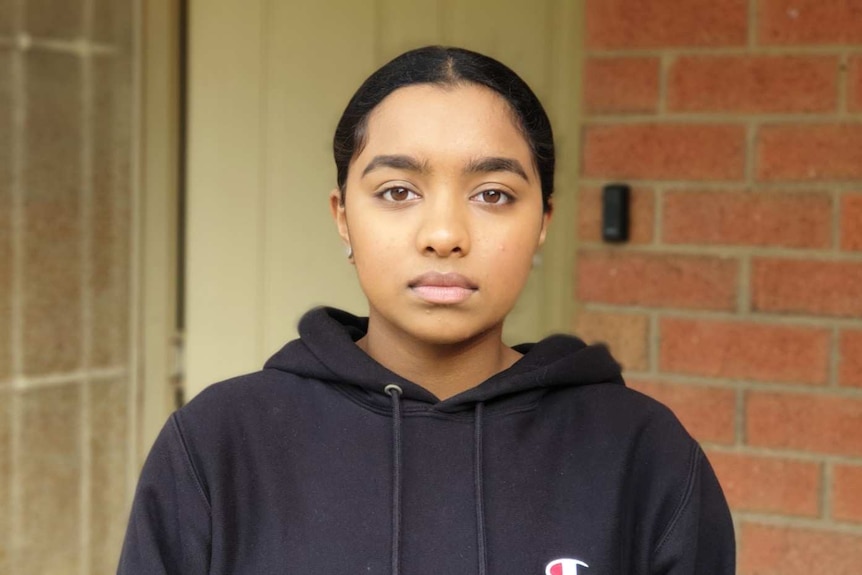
615 212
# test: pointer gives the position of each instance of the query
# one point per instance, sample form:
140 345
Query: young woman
415 441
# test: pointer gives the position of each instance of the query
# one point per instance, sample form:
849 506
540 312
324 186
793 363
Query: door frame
155 276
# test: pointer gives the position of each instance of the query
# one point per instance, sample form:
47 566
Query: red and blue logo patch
564 567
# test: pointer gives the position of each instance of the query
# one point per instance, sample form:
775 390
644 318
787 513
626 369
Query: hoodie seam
191 466
694 465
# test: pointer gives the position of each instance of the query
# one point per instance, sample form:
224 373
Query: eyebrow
398 162
475 166
496 164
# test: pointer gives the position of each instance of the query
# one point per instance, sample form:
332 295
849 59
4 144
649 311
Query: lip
443 288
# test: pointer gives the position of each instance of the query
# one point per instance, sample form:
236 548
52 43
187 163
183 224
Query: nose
444 229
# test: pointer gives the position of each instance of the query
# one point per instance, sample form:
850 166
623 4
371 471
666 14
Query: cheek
376 254
516 245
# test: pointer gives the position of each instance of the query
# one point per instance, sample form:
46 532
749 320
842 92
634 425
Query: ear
546 221
339 215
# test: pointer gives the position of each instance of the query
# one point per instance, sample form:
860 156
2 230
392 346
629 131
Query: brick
779 353
708 413
614 24
827 288
854 84
665 151
621 85
7 262
793 220
641 215
851 222
625 334
850 363
768 484
692 282
847 493
753 84
815 423
807 22
776 550
809 152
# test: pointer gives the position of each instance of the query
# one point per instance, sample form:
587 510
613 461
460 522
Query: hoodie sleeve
699 538
169 527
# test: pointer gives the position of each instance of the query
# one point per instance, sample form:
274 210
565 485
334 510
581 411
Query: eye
398 194
496 197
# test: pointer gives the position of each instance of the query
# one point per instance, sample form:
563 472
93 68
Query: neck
443 369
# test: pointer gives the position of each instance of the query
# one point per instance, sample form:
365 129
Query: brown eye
398 194
492 197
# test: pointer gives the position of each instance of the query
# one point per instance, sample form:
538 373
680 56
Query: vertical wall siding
65 188
738 300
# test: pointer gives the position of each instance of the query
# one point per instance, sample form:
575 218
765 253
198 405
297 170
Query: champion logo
564 567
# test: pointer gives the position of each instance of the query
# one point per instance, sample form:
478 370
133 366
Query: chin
442 327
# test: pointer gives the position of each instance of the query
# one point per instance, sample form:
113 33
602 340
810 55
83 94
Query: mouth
443 289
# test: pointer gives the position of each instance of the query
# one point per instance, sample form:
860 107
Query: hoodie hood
326 351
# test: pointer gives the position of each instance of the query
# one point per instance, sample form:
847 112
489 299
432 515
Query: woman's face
443 210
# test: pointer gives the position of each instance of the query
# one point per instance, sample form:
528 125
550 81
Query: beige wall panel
309 82
225 202
405 25
514 31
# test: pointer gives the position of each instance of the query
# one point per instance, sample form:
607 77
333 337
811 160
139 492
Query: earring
349 252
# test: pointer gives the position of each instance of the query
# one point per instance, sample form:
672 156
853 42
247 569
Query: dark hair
445 66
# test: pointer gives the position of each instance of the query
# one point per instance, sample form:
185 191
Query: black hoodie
313 466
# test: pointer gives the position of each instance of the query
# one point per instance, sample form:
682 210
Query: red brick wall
738 300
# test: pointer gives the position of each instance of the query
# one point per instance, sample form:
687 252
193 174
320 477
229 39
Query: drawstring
395 392
480 498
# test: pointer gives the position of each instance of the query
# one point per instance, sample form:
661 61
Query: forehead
444 122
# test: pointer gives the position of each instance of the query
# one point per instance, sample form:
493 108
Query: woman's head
444 66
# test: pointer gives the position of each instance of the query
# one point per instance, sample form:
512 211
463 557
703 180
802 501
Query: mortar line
748 385
842 85
19 120
800 523
827 476
837 197
38 44
58 379
751 131
654 342
834 357
744 286
788 454
753 23
659 194
133 433
739 419
731 251
789 187
746 50
760 318
118 227
665 61
87 221
729 117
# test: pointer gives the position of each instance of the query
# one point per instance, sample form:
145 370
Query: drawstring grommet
392 388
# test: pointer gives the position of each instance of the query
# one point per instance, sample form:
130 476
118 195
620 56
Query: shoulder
618 408
630 430
237 408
